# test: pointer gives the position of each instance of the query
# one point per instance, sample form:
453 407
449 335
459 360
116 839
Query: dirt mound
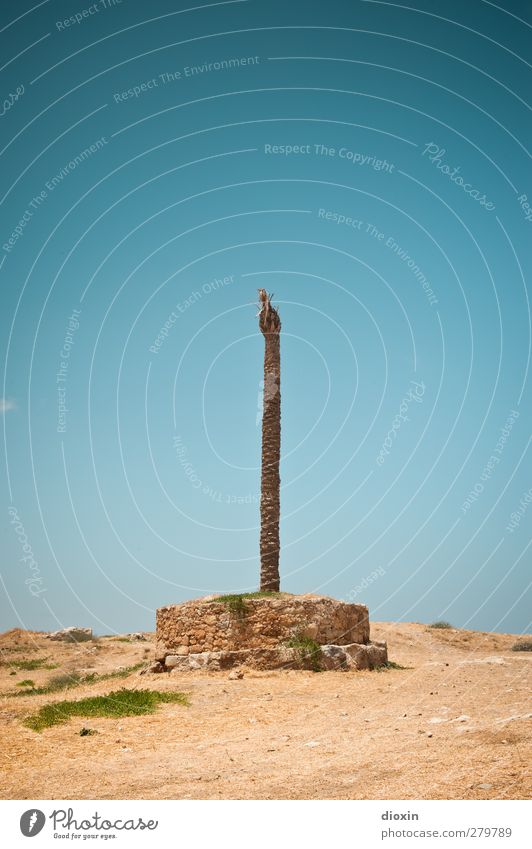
18 633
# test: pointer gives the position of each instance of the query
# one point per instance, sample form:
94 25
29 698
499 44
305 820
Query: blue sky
367 163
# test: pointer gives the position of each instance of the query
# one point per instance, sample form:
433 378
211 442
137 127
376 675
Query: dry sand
454 725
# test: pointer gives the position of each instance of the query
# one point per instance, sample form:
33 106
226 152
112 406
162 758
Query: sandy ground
454 725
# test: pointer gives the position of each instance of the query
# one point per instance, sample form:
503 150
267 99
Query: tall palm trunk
270 326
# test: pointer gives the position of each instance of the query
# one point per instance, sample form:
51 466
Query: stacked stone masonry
211 634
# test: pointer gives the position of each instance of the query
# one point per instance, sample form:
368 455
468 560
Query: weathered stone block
367 656
172 660
334 657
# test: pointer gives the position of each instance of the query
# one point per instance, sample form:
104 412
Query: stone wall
207 625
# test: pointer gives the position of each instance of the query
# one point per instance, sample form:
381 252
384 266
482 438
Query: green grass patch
32 664
236 602
120 673
441 625
309 650
522 645
26 683
117 704
67 680
13 649
62 681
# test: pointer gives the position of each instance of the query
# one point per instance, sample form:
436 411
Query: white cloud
6 405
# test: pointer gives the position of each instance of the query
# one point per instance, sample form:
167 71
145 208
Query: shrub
26 683
308 649
441 625
522 645
80 637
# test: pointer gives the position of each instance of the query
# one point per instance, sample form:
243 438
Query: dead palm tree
270 326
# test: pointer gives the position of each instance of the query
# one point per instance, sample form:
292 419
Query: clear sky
366 162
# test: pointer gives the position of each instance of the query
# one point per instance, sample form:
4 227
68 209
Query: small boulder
235 674
153 667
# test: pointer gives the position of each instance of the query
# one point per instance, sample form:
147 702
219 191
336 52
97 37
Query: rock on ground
72 634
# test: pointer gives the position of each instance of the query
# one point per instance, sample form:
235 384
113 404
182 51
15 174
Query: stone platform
267 632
